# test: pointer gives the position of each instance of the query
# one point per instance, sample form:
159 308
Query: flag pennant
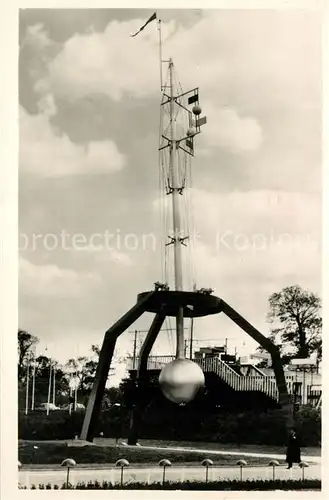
152 18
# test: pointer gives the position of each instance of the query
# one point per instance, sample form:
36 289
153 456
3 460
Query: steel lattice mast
178 140
177 229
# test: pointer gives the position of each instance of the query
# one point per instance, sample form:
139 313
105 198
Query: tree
295 315
84 369
26 343
43 367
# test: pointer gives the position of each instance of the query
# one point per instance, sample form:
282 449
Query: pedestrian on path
293 449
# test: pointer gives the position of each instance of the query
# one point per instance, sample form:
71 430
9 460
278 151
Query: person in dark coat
293 450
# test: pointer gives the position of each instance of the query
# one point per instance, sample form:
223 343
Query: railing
240 382
266 384
153 362
253 370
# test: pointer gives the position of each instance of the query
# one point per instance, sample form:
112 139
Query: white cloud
46 152
227 130
248 67
37 37
250 212
222 52
51 281
261 211
102 255
47 106
254 239
110 62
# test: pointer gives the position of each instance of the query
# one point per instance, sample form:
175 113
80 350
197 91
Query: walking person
293 449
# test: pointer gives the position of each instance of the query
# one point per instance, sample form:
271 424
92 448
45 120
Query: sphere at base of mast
196 110
181 380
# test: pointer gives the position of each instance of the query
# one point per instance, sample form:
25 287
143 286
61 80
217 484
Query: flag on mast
152 18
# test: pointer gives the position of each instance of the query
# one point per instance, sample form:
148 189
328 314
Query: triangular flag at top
152 18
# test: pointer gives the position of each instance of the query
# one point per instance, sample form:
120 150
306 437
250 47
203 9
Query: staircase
240 382
257 383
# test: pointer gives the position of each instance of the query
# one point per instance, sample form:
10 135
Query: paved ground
154 474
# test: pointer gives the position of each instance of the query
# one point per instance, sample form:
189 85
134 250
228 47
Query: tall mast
178 140
177 229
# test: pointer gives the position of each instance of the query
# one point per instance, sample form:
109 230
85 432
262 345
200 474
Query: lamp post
164 463
241 464
122 462
207 463
303 465
68 463
27 384
273 464
33 382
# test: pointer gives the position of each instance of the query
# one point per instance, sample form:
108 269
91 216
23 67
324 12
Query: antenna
177 229
178 140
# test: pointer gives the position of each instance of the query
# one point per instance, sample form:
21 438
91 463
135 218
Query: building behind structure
247 380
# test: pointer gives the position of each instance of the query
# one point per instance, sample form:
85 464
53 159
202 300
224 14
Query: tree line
75 372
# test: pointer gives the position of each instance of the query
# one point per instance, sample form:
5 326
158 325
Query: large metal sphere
191 131
181 380
197 110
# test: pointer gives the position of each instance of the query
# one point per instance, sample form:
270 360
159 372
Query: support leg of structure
105 358
284 398
136 414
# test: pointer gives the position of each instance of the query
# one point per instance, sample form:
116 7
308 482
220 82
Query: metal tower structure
165 302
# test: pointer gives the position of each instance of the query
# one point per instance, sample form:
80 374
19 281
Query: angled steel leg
284 398
136 414
105 358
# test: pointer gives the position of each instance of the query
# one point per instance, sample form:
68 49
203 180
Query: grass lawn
250 448
54 453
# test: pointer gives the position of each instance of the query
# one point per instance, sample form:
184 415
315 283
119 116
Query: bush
308 424
56 425
181 424
260 485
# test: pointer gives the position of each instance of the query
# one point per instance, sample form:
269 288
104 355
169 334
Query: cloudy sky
89 123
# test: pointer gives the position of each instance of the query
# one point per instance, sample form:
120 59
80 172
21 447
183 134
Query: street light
122 462
303 465
207 463
273 463
68 463
241 464
164 463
